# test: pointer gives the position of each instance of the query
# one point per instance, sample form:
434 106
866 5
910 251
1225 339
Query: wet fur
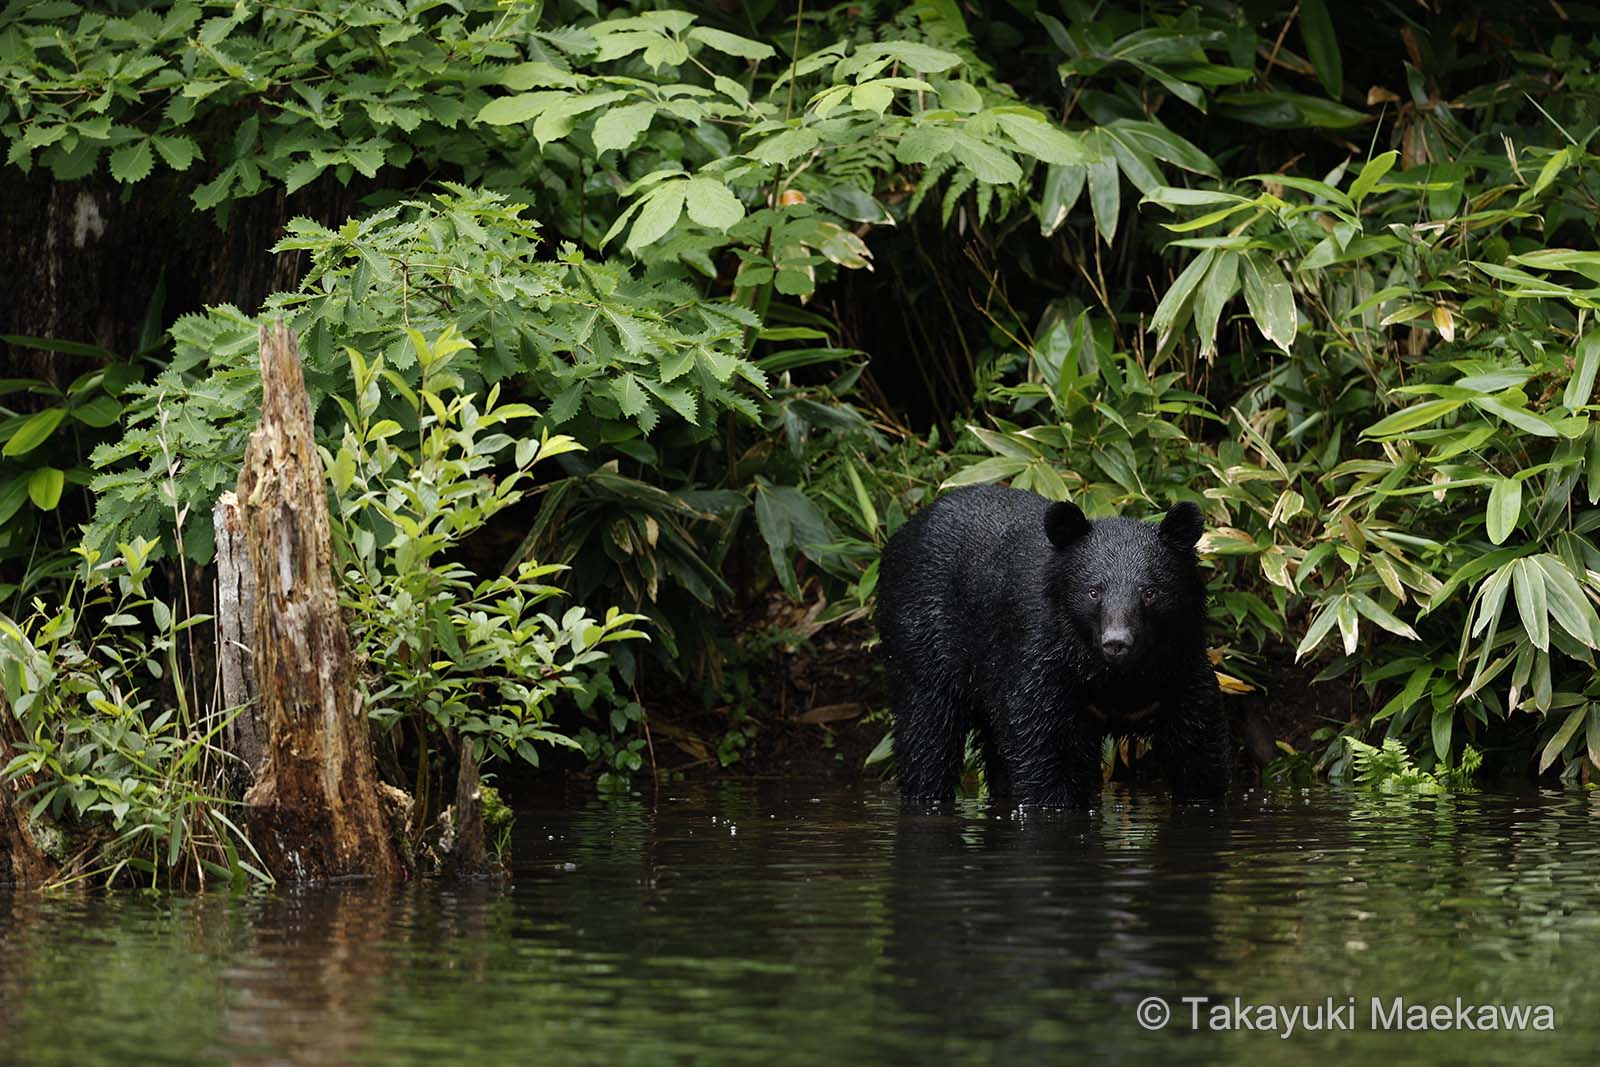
987 626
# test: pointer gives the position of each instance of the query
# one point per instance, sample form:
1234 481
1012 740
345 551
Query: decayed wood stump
21 862
245 736
314 812
469 856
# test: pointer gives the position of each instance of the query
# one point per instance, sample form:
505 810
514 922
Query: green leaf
1505 509
1322 47
629 394
510 110
132 162
619 127
923 144
1586 360
1062 187
1382 616
302 174
1592 734
1533 604
1375 168
712 204
1220 283
662 207
1270 298
177 150
1521 418
921 58
731 44
1105 197
44 487
34 432
993 469
1569 607
1559 739
781 148
98 411
1443 718
1043 141
1175 304
1411 418
987 163
1318 630
1591 465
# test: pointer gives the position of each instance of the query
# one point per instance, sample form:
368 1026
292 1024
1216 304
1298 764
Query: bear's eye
1148 594
1094 592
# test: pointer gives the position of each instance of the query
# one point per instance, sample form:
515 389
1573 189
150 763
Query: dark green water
787 924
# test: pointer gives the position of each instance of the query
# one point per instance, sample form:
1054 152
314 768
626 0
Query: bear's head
1127 587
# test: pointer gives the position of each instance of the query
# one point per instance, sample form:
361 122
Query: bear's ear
1064 523
1183 524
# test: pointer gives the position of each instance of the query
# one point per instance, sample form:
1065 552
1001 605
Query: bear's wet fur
1017 618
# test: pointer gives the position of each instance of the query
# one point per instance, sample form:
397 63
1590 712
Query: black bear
1020 619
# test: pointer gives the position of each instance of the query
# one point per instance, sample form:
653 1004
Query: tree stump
314 811
245 737
21 862
469 855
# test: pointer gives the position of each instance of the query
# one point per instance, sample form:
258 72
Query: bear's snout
1116 644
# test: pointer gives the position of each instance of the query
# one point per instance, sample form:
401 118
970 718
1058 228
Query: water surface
787 923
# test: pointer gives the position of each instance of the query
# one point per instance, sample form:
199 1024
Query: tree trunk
245 737
469 856
314 811
21 862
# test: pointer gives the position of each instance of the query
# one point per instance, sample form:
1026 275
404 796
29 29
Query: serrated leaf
510 110
302 174
710 203
988 163
132 162
662 207
629 394
619 127
781 148
731 44
1043 141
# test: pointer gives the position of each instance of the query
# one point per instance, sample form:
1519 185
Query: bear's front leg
1193 743
1064 769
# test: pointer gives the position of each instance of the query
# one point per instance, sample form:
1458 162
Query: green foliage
135 783
1362 338
1428 522
606 355
1388 769
453 657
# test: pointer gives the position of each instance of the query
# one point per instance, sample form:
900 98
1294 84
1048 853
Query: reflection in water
780 923
290 1005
